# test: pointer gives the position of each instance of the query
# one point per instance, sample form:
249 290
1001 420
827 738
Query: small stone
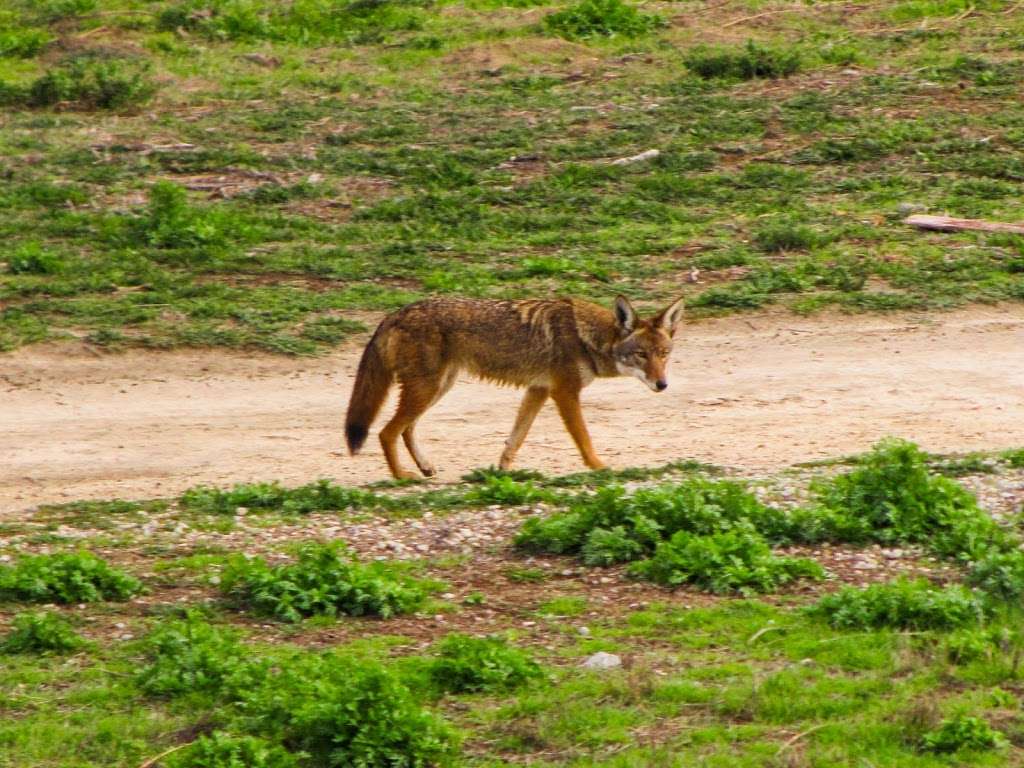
241 510
602 660
865 565
583 631
905 209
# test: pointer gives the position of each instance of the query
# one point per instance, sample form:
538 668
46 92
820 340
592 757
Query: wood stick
799 736
154 760
772 12
948 224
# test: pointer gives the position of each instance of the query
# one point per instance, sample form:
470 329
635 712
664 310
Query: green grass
743 693
269 174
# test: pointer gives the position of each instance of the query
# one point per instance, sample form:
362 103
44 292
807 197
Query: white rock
650 154
583 631
602 660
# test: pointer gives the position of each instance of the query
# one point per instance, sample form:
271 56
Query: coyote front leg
568 402
533 401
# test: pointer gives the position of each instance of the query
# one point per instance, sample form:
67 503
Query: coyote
552 347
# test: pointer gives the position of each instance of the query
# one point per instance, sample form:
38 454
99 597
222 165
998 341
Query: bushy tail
371 388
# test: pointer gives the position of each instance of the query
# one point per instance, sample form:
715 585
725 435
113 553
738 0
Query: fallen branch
799 736
154 760
649 154
948 224
761 15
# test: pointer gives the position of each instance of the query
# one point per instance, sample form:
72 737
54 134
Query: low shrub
902 604
738 560
342 713
326 580
32 259
967 645
315 497
963 732
601 18
223 750
23 43
650 515
170 222
778 236
894 498
750 62
999 574
41 633
1015 458
474 664
92 82
78 577
188 656
338 21
507 491
604 546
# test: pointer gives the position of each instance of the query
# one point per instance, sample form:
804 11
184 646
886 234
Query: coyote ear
670 317
625 314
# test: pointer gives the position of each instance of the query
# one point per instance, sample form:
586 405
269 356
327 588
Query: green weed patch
712 534
737 560
963 732
326 580
80 577
190 656
747 63
87 83
903 604
321 496
353 22
346 712
474 664
41 633
222 750
601 18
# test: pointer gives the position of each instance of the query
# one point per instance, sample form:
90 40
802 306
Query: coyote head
644 345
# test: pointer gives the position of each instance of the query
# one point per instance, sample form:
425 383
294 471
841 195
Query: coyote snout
553 348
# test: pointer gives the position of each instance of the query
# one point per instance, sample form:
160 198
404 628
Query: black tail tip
355 435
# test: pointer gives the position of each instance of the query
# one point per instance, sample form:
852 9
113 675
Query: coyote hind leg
417 396
533 401
409 434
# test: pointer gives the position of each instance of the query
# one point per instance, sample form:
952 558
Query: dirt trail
756 392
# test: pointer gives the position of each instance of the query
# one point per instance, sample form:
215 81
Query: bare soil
757 393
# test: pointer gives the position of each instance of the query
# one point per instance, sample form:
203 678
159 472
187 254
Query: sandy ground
754 392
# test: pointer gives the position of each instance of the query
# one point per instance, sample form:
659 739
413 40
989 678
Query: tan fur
554 348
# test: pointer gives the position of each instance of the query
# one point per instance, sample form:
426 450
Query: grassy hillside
263 174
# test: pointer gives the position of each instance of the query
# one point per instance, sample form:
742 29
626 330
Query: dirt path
756 392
